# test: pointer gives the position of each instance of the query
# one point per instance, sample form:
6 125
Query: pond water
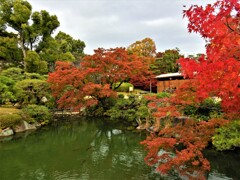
89 150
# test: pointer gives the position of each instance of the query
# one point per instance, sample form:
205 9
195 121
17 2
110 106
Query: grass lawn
6 110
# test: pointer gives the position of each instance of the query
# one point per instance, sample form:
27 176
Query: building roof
169 75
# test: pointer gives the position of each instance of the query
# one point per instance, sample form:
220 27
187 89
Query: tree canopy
218 72
95 78
145 48
180 141
166 62
17 14
22 30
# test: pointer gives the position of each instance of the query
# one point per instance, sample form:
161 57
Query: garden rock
24 126
6 132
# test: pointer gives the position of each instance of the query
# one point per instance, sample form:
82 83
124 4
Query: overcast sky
119 23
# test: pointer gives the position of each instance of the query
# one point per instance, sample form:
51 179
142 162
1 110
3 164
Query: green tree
38 113
10 54
227 137
17 15
50 53
67 57
63 48
47 24
166 62
70 45
132 111
34 64
31 91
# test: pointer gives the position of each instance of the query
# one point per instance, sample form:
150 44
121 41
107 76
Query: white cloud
119 23
160 22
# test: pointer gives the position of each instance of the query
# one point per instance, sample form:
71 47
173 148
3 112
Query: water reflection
225 165
79 149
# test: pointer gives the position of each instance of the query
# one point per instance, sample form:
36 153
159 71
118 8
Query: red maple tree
83 86
180 147
179 141
219 73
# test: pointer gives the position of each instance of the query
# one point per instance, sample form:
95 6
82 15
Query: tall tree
10 53
38 33
70 45
110 66
145 48
166 62
62 48
16 14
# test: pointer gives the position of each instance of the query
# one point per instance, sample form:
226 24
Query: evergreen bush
9 120
227 137
40 113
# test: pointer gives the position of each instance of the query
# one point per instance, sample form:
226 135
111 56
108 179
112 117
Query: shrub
31 91
40 113
121 96
17 74
227 137
9 120
100 109
124 87
34 76
205 110
127 111
6 89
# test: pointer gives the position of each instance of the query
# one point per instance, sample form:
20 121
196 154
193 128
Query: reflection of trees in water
224 163
89 149
116 147
109 152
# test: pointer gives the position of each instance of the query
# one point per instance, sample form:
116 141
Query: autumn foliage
218 73
179 143
180 147
146 50
83 86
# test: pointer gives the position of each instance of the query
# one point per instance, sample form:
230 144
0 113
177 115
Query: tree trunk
21 43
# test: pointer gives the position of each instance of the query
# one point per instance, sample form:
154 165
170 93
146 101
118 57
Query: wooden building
170 81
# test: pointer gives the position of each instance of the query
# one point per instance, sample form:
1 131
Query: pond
88 149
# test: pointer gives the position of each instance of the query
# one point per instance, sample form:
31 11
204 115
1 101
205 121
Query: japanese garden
123 112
